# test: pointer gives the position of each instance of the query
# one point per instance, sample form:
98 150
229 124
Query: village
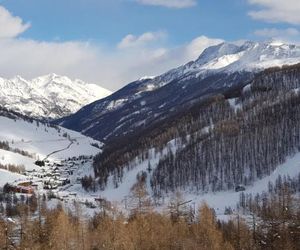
55 178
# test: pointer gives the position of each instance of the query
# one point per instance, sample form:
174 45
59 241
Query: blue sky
111 42
108 21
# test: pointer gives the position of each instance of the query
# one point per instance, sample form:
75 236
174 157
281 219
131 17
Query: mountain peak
217 51
249 56
227 58
48 96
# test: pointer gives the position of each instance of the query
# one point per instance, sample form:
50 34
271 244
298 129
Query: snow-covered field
42 140
8 177
7 157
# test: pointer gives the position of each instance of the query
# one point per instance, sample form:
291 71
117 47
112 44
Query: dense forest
274 224
223 141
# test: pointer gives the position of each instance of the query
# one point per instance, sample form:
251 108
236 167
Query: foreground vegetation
274 224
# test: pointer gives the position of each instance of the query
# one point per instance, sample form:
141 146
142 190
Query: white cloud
11 26
131 41
110 67
282 34
159 60
277 10
31 58
196 47
178 4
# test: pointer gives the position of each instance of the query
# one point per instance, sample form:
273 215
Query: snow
123 190
116 104
7 157
220 200
247 88
229 57
8 177
233 104
119 195
146 78
49 96
42 140
223 61
276 43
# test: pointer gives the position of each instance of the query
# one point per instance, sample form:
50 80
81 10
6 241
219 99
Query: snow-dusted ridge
230 57
49 96
222 66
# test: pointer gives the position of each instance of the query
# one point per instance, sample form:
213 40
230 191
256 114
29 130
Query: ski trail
60 150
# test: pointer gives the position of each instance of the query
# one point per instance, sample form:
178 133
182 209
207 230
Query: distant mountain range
144 102
50 96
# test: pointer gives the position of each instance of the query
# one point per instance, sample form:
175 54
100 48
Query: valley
207 137
150 125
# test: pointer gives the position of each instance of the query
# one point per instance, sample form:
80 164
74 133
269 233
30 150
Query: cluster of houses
54 175
58 176
47 176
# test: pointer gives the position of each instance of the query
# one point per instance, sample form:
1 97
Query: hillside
47 156
147 101
244 137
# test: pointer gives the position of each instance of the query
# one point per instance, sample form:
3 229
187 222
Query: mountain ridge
146 100
49 96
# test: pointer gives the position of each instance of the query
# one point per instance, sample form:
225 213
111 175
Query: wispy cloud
131 41
276 11
11 26
178 4
275 33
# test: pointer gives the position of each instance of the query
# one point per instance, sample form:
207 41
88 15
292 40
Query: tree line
274 224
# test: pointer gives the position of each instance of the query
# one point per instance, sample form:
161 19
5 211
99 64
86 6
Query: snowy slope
41 140
56 145
49 96
218 200
228 58
8 177
7 157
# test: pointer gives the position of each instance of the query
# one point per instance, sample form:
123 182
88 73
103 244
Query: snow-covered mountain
149 99
229 58
49 96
